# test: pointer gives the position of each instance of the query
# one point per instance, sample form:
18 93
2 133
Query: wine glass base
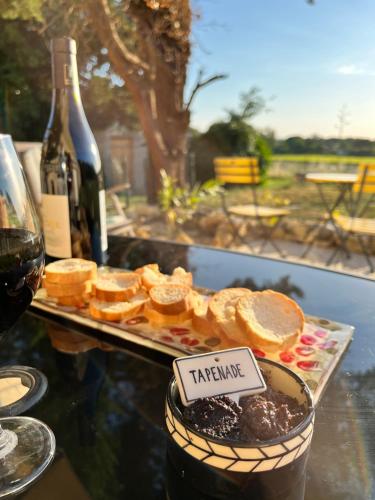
21 387
31 448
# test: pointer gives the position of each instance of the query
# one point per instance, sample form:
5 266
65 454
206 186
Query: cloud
350 69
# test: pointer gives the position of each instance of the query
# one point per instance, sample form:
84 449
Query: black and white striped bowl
247 457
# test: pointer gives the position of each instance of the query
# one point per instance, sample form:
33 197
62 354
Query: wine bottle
73 196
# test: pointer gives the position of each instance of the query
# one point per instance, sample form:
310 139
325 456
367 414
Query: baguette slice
171 299
69 271
160 319
117 311
153 267
270 319
74 300
181 277
116 287
65 290
151 276
221 312
199 321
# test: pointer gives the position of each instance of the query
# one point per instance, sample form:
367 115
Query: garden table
105 402
343 183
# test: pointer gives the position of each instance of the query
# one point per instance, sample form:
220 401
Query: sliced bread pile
171 297
163 299
117 296
69 281
151 276
170 304
268 320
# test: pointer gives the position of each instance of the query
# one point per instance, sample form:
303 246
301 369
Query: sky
309 61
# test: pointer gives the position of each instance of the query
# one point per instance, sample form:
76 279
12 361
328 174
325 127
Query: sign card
232 372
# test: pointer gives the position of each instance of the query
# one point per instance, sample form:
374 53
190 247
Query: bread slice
153 267
160 319
180 276
69 271
270 319
117 311
79 300
171 299
116 287
200 322
151 276
221 312
65 290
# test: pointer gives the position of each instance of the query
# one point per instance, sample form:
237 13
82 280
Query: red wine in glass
21 267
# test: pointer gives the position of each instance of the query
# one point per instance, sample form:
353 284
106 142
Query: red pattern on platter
258 353
320 333
328 345
287 357
179 331
309 366
308 340
304 350
190 342
166 338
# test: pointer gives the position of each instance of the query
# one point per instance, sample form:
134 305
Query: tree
234 136
153 64
25 67
25 79
144 42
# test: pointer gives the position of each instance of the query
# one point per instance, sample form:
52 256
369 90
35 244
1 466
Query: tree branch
202 83
101 17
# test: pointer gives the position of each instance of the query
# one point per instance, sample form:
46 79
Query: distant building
124 158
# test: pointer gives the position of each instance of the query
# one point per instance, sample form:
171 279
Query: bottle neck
66 97
65 76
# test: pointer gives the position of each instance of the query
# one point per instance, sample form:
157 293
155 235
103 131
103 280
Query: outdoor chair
246 171
356 224
119 223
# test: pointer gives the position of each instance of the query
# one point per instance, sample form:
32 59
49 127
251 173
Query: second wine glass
27 445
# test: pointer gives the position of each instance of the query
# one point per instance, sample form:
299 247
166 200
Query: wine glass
27 445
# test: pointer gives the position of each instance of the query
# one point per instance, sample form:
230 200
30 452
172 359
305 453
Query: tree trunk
155 76
165 129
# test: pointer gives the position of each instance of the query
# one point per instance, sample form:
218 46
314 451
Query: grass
278 182
283 191
330 159
288 191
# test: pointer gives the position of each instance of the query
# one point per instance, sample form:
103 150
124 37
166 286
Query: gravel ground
318 256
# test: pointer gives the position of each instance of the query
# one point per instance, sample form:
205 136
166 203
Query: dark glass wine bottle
73 196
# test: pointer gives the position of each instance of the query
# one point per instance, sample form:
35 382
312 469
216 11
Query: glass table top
105 401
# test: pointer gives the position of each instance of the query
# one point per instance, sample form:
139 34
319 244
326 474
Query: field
282 191
327 159
284 185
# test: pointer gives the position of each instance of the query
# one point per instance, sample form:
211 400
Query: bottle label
56 225
103 220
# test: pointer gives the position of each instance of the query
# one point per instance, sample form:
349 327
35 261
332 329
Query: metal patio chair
246 171
356 224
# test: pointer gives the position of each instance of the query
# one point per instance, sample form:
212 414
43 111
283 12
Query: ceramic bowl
245 457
